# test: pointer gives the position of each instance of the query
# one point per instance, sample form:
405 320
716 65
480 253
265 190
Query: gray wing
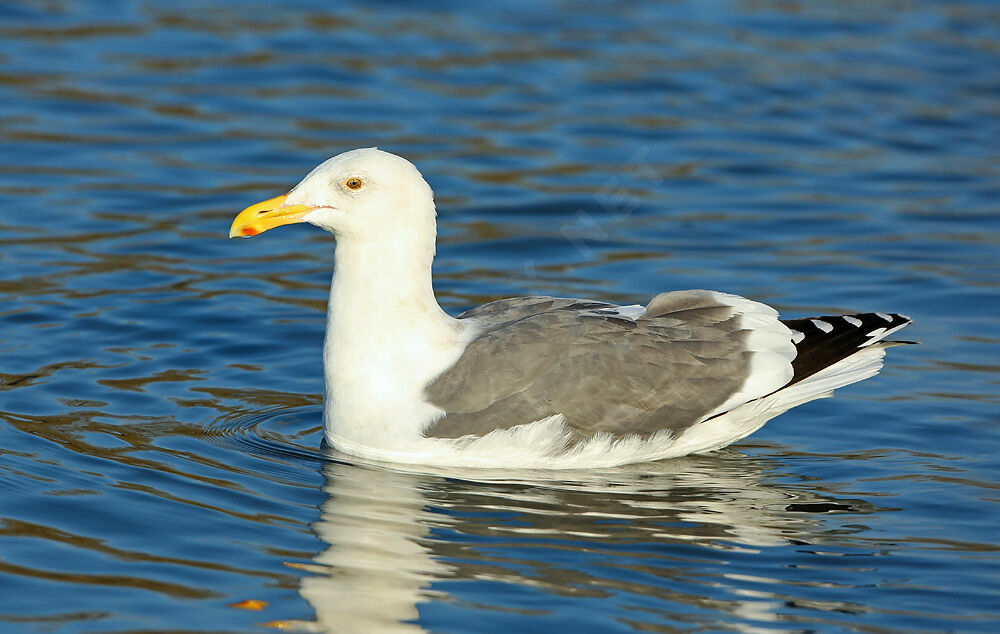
691 355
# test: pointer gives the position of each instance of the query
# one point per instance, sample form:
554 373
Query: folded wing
607 369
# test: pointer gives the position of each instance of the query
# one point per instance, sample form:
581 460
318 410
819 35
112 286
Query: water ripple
291 435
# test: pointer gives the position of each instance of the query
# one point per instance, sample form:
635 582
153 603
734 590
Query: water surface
160 433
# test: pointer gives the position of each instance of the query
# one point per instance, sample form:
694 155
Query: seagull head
362 194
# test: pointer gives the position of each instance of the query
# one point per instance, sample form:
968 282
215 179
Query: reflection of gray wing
691 355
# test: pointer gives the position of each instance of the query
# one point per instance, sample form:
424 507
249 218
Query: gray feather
539 356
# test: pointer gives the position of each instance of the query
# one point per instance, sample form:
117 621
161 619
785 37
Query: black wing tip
822 341
865 328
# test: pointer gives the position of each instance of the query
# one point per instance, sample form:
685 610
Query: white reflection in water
378 566
392 533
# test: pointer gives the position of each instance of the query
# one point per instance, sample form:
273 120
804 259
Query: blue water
160 385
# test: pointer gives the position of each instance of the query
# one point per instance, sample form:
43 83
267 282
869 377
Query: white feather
822 325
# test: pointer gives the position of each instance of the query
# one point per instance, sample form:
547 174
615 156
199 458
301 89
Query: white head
364 194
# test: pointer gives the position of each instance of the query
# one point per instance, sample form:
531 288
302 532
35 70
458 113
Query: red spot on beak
249 231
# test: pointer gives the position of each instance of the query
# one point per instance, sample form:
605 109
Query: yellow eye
354 183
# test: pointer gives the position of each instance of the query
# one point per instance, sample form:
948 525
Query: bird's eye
354 183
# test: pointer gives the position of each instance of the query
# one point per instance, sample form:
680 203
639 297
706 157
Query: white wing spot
632 311
874 336
822 325
885 316
854 321
797 336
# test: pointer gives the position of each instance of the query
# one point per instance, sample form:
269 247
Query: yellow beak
267 215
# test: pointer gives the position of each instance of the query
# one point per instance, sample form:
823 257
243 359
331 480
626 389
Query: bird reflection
379 564
395 537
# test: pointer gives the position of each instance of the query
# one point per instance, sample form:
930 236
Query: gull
538 382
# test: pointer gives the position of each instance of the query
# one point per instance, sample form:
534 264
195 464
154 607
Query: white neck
386 338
